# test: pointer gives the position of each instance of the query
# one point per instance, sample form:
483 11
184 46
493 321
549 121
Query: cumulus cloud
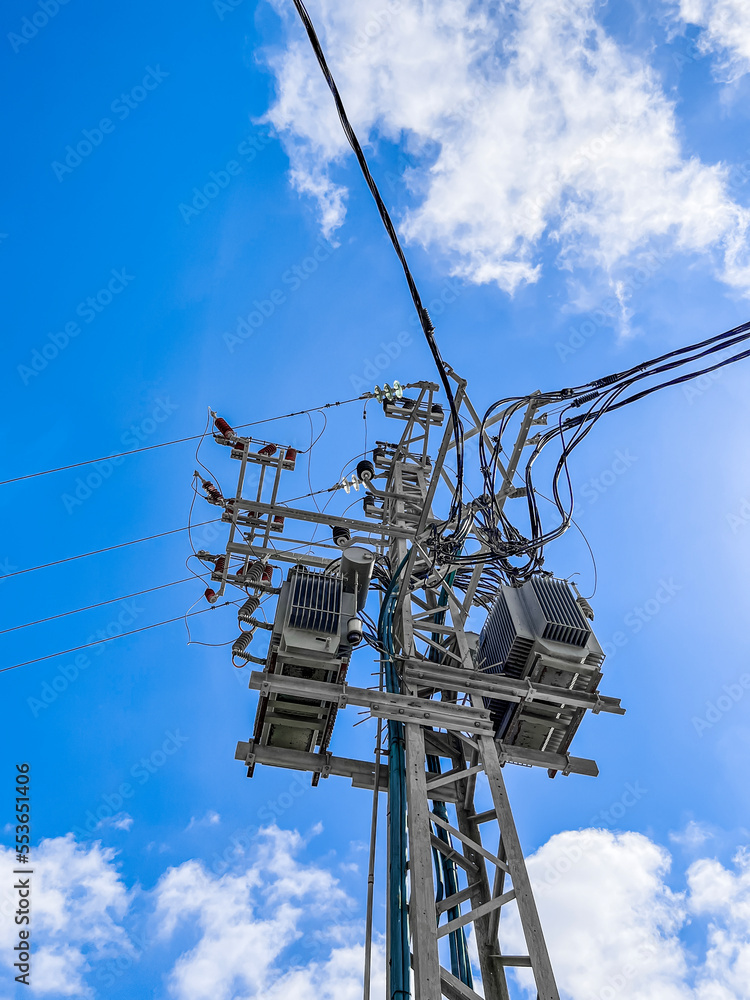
611 920
613 923
693 837
530 128
120 821
277 925
246 919
79 901
726 32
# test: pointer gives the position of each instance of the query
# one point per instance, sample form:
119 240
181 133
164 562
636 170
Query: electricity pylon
454 856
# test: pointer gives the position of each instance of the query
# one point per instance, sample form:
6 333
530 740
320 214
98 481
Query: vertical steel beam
485 928
422 916
532 928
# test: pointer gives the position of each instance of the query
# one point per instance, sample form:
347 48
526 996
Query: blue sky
572 181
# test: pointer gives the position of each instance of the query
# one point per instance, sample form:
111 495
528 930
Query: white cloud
120 821
211 818
228 936
277 926
246 919
610 919
723 896
337 978
726 32
531 128
613 924
693 837
78 903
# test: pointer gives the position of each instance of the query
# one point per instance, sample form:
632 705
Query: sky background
572 180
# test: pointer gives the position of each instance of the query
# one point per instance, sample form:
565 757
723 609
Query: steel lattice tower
454 856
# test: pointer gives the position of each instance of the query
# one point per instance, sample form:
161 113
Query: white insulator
245 613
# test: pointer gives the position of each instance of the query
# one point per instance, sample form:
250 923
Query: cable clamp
343 699
530 691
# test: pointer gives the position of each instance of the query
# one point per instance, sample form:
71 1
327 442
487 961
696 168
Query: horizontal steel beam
496 685
361 772
443 745
290 556
316 517
401 708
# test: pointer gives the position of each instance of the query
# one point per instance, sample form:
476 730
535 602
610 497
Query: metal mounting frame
439 703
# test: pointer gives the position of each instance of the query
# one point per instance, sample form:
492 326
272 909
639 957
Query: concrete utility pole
457 710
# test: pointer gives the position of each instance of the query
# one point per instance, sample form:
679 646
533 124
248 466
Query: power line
165 444
424 317
109 548
101 604
99 642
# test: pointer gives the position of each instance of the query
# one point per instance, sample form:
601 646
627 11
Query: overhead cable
109 548
165 444
424 318
109 638
101 604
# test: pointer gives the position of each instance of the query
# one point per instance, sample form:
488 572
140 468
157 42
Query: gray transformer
538 633
312 639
